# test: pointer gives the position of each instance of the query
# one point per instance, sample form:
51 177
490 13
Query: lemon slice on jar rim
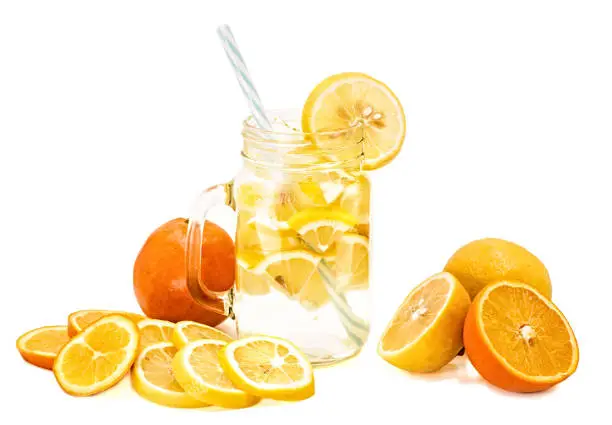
351 100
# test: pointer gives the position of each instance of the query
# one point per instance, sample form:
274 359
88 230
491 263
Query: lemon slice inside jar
356 100
355 199
321 227
247 281
352 262
295 274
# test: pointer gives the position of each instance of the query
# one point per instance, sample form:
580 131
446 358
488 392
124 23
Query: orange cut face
527 333
518 339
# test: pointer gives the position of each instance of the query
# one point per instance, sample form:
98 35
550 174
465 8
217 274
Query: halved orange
425 332
518 340
97 358
79 320
40 346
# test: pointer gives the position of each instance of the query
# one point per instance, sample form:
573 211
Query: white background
115 114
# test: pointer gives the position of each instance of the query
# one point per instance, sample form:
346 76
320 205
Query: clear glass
302 239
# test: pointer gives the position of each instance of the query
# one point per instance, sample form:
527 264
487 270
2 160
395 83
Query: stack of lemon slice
288 259
220 372
186 364
202 366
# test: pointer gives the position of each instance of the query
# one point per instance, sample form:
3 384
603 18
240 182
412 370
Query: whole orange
159 272
491 260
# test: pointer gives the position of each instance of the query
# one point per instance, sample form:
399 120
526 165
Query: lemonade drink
303 218
302 239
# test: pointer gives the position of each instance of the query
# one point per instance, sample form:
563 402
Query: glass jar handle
217 302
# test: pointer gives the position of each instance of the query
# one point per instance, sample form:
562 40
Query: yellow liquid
309 286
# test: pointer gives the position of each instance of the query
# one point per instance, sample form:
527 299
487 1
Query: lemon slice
333 182
40 346
295 274
352 99
98 357
261 232
79 320
270 208
363 229
196 368
268 367
247 281
356 199
188 331
293 197
331 191
152 377
320 227
352 262
426 331
311 193
153 331
252 195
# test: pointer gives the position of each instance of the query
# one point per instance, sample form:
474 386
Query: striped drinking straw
355 327
242 74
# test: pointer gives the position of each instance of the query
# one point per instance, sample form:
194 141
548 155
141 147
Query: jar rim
287 116
292 149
